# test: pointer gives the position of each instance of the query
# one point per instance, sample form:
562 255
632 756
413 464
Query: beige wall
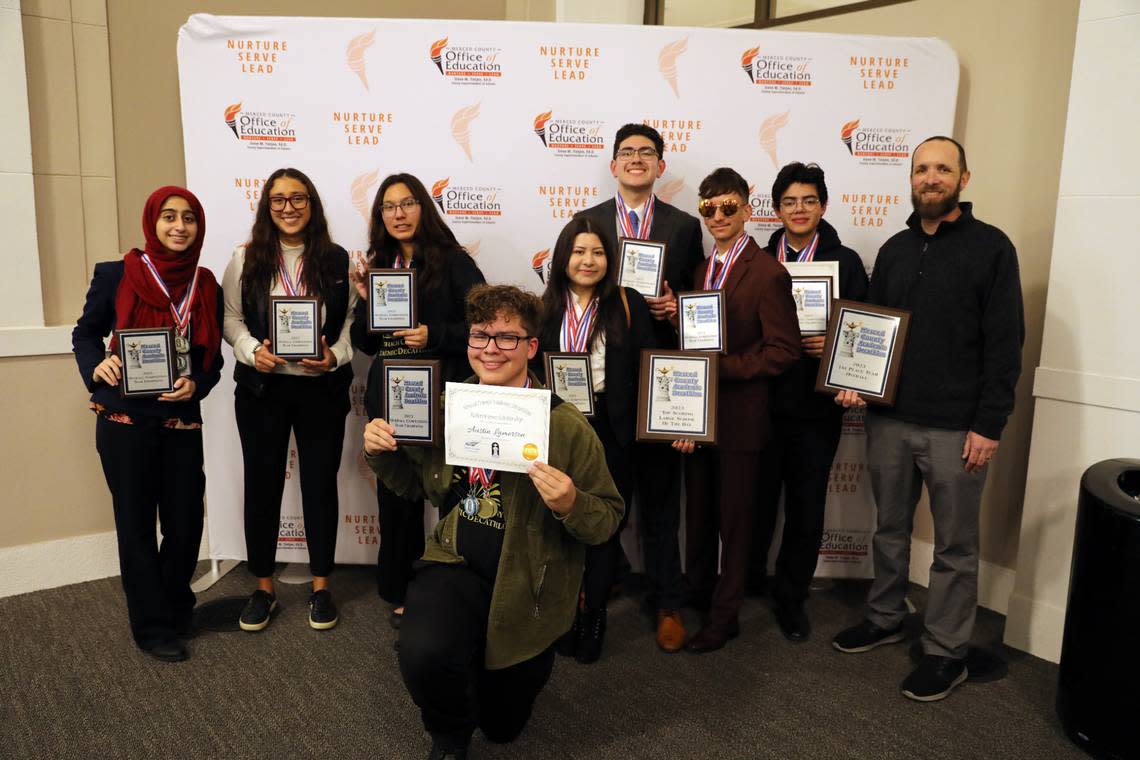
1016 57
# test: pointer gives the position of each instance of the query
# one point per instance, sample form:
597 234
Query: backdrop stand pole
218 570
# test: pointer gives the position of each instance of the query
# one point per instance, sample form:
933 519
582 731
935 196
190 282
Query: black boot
591 634
567 644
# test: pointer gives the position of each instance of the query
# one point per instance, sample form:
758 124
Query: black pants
602 559
798 461
316 415
442 638
152 470
658 474
401 543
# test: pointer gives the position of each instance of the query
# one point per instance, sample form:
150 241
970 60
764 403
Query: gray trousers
901 457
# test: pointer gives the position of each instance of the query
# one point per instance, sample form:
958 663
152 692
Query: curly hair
486 303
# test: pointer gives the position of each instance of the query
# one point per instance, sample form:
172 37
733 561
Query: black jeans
316 415
442 638
401 543
153 470
602 559
657 470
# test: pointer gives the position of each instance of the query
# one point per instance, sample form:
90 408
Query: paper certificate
411 399
391 299
295 327
504 429
863 351
569 377
814 285
677 396
641 266
148 361
701 320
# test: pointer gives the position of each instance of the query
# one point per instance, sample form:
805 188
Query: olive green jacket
540 567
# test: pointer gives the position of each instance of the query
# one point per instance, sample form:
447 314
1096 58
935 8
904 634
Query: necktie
633 223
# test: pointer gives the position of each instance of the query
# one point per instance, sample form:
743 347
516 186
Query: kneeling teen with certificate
498 582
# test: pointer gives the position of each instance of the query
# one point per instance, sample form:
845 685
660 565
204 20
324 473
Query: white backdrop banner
510 125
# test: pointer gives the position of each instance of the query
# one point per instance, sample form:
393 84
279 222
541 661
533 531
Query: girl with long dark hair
151 448
406 231
585 310
289 253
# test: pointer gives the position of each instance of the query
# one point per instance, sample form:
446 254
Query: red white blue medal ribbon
729 261
399 263
575 328
291 285
181 312
807 254
643 226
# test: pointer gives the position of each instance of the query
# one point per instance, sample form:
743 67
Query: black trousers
798 462
442 638
155 471
657 470
401 543
316 415
602 559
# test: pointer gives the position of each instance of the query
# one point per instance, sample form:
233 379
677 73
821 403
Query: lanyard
181 312
294 286
807 254
643 227
576 329
729 261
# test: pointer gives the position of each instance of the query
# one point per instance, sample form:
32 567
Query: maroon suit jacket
763 337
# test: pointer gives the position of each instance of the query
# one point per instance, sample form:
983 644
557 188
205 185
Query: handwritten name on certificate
500 428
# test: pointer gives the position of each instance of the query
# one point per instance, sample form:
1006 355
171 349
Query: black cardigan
96 323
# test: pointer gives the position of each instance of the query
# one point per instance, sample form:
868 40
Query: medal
470 504
182 362
181 343
181 314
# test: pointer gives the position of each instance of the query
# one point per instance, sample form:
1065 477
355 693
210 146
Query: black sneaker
866 636
258 611
322 611
439 752
934 678
170 650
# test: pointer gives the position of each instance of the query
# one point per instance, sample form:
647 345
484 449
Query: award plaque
411 389
700 318
391 300
295 327
863 351
814 285
641 266
569 377
677 396
149 360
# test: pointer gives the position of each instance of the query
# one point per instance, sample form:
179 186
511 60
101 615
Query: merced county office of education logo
261 130
576 138
876 145
467 203
540 264
777 74
762 220
477 65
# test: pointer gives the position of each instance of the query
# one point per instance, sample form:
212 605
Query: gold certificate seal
530 452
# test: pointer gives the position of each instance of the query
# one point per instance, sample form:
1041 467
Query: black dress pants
442 639
658 475
602 559
315 414
401 543
154 471
798 461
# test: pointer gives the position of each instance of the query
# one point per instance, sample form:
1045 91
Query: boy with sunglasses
805 425
498 584
763 341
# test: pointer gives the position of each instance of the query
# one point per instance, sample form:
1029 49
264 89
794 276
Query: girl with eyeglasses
289 253
151 448
585 310
406 231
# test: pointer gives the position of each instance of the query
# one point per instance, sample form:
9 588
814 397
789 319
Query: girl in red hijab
151 447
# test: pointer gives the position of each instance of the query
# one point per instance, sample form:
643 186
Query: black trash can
1098 689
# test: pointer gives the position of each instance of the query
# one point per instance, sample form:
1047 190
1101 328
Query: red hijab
140 301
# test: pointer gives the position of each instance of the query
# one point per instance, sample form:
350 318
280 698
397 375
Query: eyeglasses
504 342
809 203
406 205
627 154
707 208
298 201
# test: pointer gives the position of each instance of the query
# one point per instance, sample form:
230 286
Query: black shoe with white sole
322 610
258 611
934 678
866 636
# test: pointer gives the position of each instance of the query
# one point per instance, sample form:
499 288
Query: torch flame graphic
538 261
667 61
461 128
437 53
231 117
437 192
359 192
746 60
354 54
667 191
846 131
540 125
768 130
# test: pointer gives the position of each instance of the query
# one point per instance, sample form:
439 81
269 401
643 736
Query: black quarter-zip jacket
963 354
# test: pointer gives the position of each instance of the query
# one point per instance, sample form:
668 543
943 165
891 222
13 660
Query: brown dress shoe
670 630
711 638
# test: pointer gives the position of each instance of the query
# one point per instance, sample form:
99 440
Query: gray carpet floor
74 686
